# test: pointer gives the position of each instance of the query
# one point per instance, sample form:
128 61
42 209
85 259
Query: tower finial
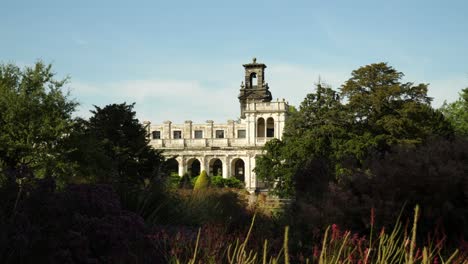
254 60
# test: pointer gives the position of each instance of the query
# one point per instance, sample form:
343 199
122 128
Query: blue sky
182 60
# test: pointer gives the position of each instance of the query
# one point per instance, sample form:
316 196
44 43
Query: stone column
277 126
209 129
166 133
226 167
188 129
247 172
182 166
251 129
230 129
203 164
253 177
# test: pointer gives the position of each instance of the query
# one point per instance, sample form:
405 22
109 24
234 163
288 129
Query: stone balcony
206 143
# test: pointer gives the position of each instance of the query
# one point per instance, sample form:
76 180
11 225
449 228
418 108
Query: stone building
226 149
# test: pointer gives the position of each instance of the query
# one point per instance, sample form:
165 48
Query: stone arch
261 127
172 166
238 169
193 167
216 167
253 79
270 127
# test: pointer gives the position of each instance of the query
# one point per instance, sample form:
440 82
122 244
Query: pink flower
335 232
316 252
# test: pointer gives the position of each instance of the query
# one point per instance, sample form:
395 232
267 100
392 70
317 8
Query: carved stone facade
226 149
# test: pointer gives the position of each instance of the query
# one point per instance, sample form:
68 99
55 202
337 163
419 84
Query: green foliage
203 181
457 113
119 154
232 182
373 112
35 118
185 182
318 129
194 180
385 112
211 206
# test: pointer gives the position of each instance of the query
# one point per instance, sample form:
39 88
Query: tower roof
254 64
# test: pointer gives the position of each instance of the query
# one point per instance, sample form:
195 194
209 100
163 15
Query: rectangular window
198 133
177 134
156 134
241 133
219 133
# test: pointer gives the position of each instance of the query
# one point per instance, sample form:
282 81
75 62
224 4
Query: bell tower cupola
254 88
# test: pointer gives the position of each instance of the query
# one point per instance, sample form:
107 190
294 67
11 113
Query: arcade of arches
215 166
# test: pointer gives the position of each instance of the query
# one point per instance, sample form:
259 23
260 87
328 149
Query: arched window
193 166
216 167
253 79
261 127
172 166
270 127
238 169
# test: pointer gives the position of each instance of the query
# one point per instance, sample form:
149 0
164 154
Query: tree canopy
113 148
35 118
457 113
373 111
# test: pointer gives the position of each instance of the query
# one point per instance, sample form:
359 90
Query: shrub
194 180
217 181
81 224
185 182
220 182
233 183
202 182
210 206
433 175
400 245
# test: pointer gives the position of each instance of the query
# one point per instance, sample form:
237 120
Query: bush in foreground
398 246
81 224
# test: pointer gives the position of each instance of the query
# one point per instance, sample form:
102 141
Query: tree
120 154
335 131
387 112
35 118
315 131
457 113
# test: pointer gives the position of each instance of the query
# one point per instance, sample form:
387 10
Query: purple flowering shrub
80 224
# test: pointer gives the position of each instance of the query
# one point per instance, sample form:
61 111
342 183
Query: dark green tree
457 113
113 148
35 119
315 131
334 132
385 112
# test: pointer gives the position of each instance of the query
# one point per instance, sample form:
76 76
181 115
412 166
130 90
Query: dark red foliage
433 175
81 224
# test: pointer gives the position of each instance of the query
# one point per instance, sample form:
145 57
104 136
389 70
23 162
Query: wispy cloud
79 41
158 100
200 100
